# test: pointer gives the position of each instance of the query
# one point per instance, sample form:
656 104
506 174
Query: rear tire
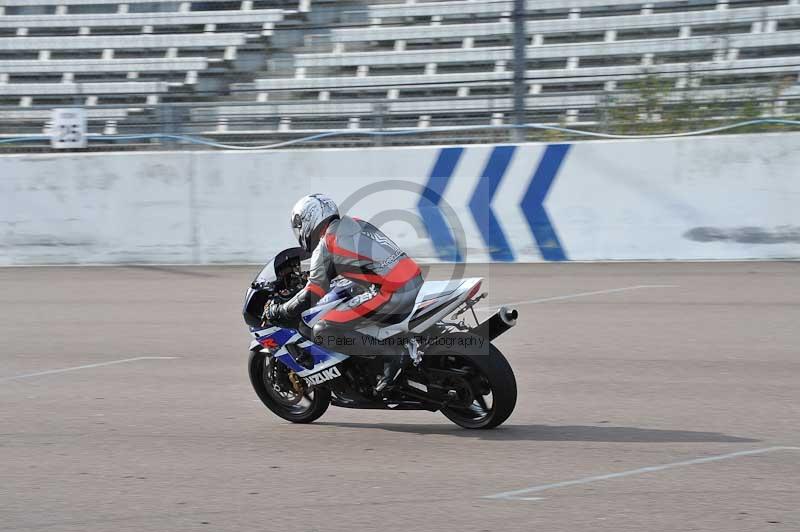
494 372
309 407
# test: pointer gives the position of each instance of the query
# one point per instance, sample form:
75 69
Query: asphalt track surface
621 369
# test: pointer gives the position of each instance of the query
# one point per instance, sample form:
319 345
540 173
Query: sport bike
450 366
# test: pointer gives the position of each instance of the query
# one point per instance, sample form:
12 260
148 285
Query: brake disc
283 392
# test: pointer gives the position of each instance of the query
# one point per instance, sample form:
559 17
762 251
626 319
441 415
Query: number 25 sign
69 128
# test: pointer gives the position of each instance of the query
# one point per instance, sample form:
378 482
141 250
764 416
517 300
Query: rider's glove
274 314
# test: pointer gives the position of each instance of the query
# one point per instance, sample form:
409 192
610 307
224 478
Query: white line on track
576 296
87 366
516 494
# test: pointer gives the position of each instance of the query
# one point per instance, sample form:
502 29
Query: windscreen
277 265
267 274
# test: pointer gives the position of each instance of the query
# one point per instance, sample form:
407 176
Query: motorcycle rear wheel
281 401
492 386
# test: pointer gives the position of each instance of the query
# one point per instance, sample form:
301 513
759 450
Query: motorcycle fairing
337 294
447 297
276 339
435 300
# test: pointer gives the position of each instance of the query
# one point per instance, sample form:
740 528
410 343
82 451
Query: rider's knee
321 328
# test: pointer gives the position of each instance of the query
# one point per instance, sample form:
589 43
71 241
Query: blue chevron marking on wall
428 206
533 203
481 204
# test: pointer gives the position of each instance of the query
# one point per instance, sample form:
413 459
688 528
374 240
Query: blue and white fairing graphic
340 290
276 338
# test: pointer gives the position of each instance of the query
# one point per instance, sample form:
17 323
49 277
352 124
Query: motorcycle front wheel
271 383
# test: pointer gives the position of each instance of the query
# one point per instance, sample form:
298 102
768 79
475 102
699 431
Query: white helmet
309 214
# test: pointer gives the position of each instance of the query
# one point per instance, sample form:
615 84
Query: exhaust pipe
500 322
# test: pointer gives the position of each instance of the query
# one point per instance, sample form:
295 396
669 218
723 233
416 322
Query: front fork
298 385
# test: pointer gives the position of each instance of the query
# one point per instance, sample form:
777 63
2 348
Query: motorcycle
452 367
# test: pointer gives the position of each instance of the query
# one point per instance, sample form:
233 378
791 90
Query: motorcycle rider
358 251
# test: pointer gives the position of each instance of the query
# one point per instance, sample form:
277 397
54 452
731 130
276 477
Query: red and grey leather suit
359 251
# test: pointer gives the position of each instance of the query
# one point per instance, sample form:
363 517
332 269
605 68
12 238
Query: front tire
492 385
279 398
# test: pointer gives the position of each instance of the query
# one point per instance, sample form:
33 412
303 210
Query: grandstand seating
93 22
302 65
98 48
673 21
579 53
470 56
103 66
41 89
462 8
126 52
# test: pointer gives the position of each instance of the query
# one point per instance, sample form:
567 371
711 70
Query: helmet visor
297 225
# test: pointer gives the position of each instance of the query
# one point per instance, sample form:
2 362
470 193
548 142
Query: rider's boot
392 367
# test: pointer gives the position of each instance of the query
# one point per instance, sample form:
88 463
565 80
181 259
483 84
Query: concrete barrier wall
730 197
